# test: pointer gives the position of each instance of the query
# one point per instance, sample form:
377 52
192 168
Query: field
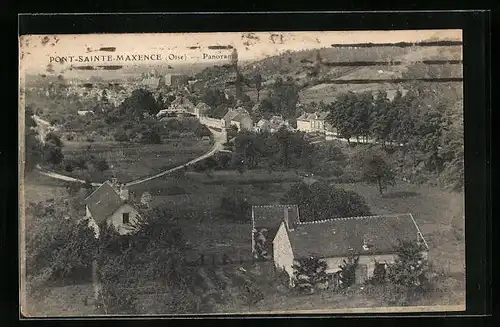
68 300
129 161
438 213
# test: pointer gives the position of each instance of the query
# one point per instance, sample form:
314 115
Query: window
126 217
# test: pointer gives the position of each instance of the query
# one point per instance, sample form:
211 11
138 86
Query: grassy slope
130 161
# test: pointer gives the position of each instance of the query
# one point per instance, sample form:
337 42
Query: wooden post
202 259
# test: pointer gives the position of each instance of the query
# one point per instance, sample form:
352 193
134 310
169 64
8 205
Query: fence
203 259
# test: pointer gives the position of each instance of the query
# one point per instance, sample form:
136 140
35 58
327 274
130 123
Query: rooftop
103 202
270 216
318 115
357 235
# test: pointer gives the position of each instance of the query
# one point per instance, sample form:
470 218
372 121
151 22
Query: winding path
219 140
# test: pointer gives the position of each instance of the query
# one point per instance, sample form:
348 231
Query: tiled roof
270 216
182 102
338 237
308 116
103 202
231 113
202 106
239 117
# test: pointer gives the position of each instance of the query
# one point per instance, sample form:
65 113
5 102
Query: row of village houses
242 120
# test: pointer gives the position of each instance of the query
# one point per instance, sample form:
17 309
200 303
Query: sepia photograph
241 173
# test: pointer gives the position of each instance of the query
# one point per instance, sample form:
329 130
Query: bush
101 165
410 267
348 271
234 205
52 154
69 165
308 273
251 293
321 201
151 137
121 136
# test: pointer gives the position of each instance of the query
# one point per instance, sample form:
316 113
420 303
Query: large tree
284 95
308 273
320 201
140 102
376 170
258 84
248 147
234 205
348 271
410 266
381 118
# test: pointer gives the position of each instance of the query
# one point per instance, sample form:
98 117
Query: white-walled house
111 204
372 238
312 122
266 220
237 117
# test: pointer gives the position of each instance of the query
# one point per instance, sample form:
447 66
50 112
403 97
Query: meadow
129 161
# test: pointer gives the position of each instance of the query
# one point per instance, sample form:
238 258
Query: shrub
410 267
348 271
251 293
121 136
52 154
234 205
308 273
69 165
101 165
151 137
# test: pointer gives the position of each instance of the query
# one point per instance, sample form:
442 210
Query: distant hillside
299 64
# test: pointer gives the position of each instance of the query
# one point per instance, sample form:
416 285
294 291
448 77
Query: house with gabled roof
201 109
312 122
372 238
238 117
181 104
110 203
266 220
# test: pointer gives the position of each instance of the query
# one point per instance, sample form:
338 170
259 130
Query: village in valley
247 186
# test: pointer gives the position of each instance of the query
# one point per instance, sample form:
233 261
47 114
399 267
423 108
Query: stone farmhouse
272 125
180 105
237 117
312 122
200 110
110 203
372 238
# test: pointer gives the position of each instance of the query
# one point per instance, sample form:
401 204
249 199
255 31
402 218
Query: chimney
288 225
124 194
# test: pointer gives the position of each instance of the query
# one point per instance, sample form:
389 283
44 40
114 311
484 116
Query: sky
36 50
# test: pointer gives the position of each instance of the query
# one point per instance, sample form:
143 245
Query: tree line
421 127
